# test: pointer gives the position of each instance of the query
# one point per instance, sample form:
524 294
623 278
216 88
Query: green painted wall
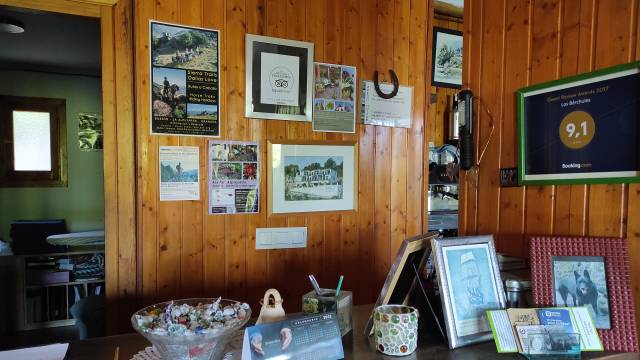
81 204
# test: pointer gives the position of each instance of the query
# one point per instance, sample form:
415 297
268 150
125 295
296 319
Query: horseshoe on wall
394 80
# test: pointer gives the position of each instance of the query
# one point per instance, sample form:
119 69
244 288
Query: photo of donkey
183 47
581 281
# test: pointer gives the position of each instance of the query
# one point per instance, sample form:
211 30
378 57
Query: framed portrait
470 284
592 272
279 78
312 176
446 58
567 128
404 273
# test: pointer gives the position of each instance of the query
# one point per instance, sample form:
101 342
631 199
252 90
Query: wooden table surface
356 346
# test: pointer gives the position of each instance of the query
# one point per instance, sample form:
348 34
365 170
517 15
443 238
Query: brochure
505 323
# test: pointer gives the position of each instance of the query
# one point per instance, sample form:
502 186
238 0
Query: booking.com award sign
580 130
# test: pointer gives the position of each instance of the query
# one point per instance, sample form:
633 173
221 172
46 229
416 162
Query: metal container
518 293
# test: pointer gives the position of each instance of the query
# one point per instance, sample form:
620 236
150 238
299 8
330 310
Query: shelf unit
47 305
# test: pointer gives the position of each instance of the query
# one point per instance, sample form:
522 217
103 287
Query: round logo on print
281 78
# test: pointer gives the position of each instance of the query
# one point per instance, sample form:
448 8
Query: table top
356 346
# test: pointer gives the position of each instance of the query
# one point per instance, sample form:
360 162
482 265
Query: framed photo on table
591 272
312 176
446 58
279 78
403 275
470 284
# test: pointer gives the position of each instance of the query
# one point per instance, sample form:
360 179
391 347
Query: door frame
116 24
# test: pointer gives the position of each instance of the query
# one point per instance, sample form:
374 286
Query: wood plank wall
185 252
438 117
514 43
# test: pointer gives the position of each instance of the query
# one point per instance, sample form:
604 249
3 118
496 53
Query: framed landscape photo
446 58
312 176
470 284
569 128
592 272
279 78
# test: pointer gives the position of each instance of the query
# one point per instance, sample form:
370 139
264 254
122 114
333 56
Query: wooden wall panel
185 251
545 40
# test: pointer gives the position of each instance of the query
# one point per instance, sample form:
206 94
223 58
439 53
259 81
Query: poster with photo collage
234 181
334 93
185 80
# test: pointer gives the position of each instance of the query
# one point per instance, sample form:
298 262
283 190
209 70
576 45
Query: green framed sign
583 129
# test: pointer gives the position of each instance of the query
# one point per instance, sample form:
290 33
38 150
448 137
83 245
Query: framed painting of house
312 176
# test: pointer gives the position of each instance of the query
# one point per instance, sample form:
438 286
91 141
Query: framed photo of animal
582 281
592 272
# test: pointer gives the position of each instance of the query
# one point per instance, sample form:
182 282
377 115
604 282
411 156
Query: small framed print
279 79
312 176
446 61
582 281
470 284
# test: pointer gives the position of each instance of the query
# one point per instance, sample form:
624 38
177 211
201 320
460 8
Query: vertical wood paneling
516 72
382 162
613 38
545 47
191 272
147 159
169 212
185 251
366 144
419 21
490 126
398 221
564 38
214 246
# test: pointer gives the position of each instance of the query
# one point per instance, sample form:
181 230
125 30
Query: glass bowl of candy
191 329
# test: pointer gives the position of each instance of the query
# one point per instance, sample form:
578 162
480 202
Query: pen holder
314 304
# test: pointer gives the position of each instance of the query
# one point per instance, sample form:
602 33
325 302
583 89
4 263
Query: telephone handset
463 104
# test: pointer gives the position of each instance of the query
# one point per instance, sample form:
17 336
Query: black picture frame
439 81
254 108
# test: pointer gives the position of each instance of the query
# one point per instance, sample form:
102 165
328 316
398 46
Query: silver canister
518 293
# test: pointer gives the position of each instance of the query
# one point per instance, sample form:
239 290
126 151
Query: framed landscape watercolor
279 78
312 176
446 58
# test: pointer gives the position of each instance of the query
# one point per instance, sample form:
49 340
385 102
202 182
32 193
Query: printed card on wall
185 80
233 177
179 173
334 106
394 112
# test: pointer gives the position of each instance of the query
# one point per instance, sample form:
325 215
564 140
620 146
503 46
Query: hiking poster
179 173
185 80
234 181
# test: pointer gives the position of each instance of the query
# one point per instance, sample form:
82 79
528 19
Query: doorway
118 144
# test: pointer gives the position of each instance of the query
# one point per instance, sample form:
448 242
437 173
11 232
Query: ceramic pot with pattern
396 329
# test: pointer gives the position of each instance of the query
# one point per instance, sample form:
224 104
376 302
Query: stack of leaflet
562 332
